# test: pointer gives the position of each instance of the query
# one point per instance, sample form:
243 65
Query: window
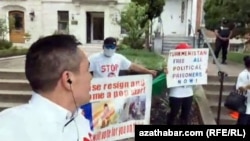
63 21
182 11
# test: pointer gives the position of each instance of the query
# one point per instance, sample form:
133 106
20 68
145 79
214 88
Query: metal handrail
192 31
210 49
221 73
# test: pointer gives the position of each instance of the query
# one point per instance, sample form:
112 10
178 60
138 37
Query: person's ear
67 79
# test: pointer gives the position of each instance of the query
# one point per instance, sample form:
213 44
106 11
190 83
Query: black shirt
223 31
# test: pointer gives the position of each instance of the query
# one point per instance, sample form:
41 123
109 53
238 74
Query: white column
194 16
188 14
7 36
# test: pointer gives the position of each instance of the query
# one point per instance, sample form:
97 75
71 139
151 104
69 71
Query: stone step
225 118
215 86
166 51
12 74
14 84
214 95
178 38
176 42
5 105
215 78
15 96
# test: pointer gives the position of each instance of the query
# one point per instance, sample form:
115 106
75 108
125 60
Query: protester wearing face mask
109 63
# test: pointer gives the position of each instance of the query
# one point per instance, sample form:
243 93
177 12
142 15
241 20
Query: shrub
122 46
12 52
148 59
4 44
131 21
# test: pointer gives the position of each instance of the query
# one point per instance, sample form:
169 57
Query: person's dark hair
48 58
224 21
246 60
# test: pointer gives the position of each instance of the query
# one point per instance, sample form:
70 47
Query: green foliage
145 58
236 57
12 52
4 29
236 11
131 21
154 9
4 44
122 46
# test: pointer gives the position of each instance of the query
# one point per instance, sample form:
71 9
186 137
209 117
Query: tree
4 29
236 11
131 21
154 10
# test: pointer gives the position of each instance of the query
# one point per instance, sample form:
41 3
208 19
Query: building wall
171 17
26 6
199 14
45 22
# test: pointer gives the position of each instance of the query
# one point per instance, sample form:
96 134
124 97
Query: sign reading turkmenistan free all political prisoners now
117 104
187 67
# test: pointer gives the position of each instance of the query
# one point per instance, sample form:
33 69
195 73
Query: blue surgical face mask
109 52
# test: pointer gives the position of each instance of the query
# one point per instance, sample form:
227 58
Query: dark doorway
95 27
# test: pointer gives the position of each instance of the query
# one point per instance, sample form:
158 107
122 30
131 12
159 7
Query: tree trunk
151 33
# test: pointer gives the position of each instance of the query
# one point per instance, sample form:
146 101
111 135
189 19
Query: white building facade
180 17
89 20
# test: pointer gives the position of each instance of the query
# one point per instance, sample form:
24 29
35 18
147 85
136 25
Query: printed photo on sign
104 114
132 108
117 104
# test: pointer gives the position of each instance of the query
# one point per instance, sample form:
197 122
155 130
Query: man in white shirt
57 71
109 63
243 84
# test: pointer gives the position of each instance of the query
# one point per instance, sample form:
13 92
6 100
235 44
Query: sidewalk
232 69
17 63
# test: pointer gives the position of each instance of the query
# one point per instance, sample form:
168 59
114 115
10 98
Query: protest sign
187 67
119 103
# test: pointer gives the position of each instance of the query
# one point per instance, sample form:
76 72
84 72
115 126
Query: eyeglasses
110 46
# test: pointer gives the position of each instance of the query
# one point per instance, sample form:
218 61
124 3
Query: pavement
231 68
17 63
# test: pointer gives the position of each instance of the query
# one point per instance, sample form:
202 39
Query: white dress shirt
242 81
42 120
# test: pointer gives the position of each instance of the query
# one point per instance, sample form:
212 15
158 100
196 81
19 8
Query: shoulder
13 118
82 121
18 112
242 74
118 55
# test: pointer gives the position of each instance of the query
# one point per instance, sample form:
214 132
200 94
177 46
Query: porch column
7 36
194 16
